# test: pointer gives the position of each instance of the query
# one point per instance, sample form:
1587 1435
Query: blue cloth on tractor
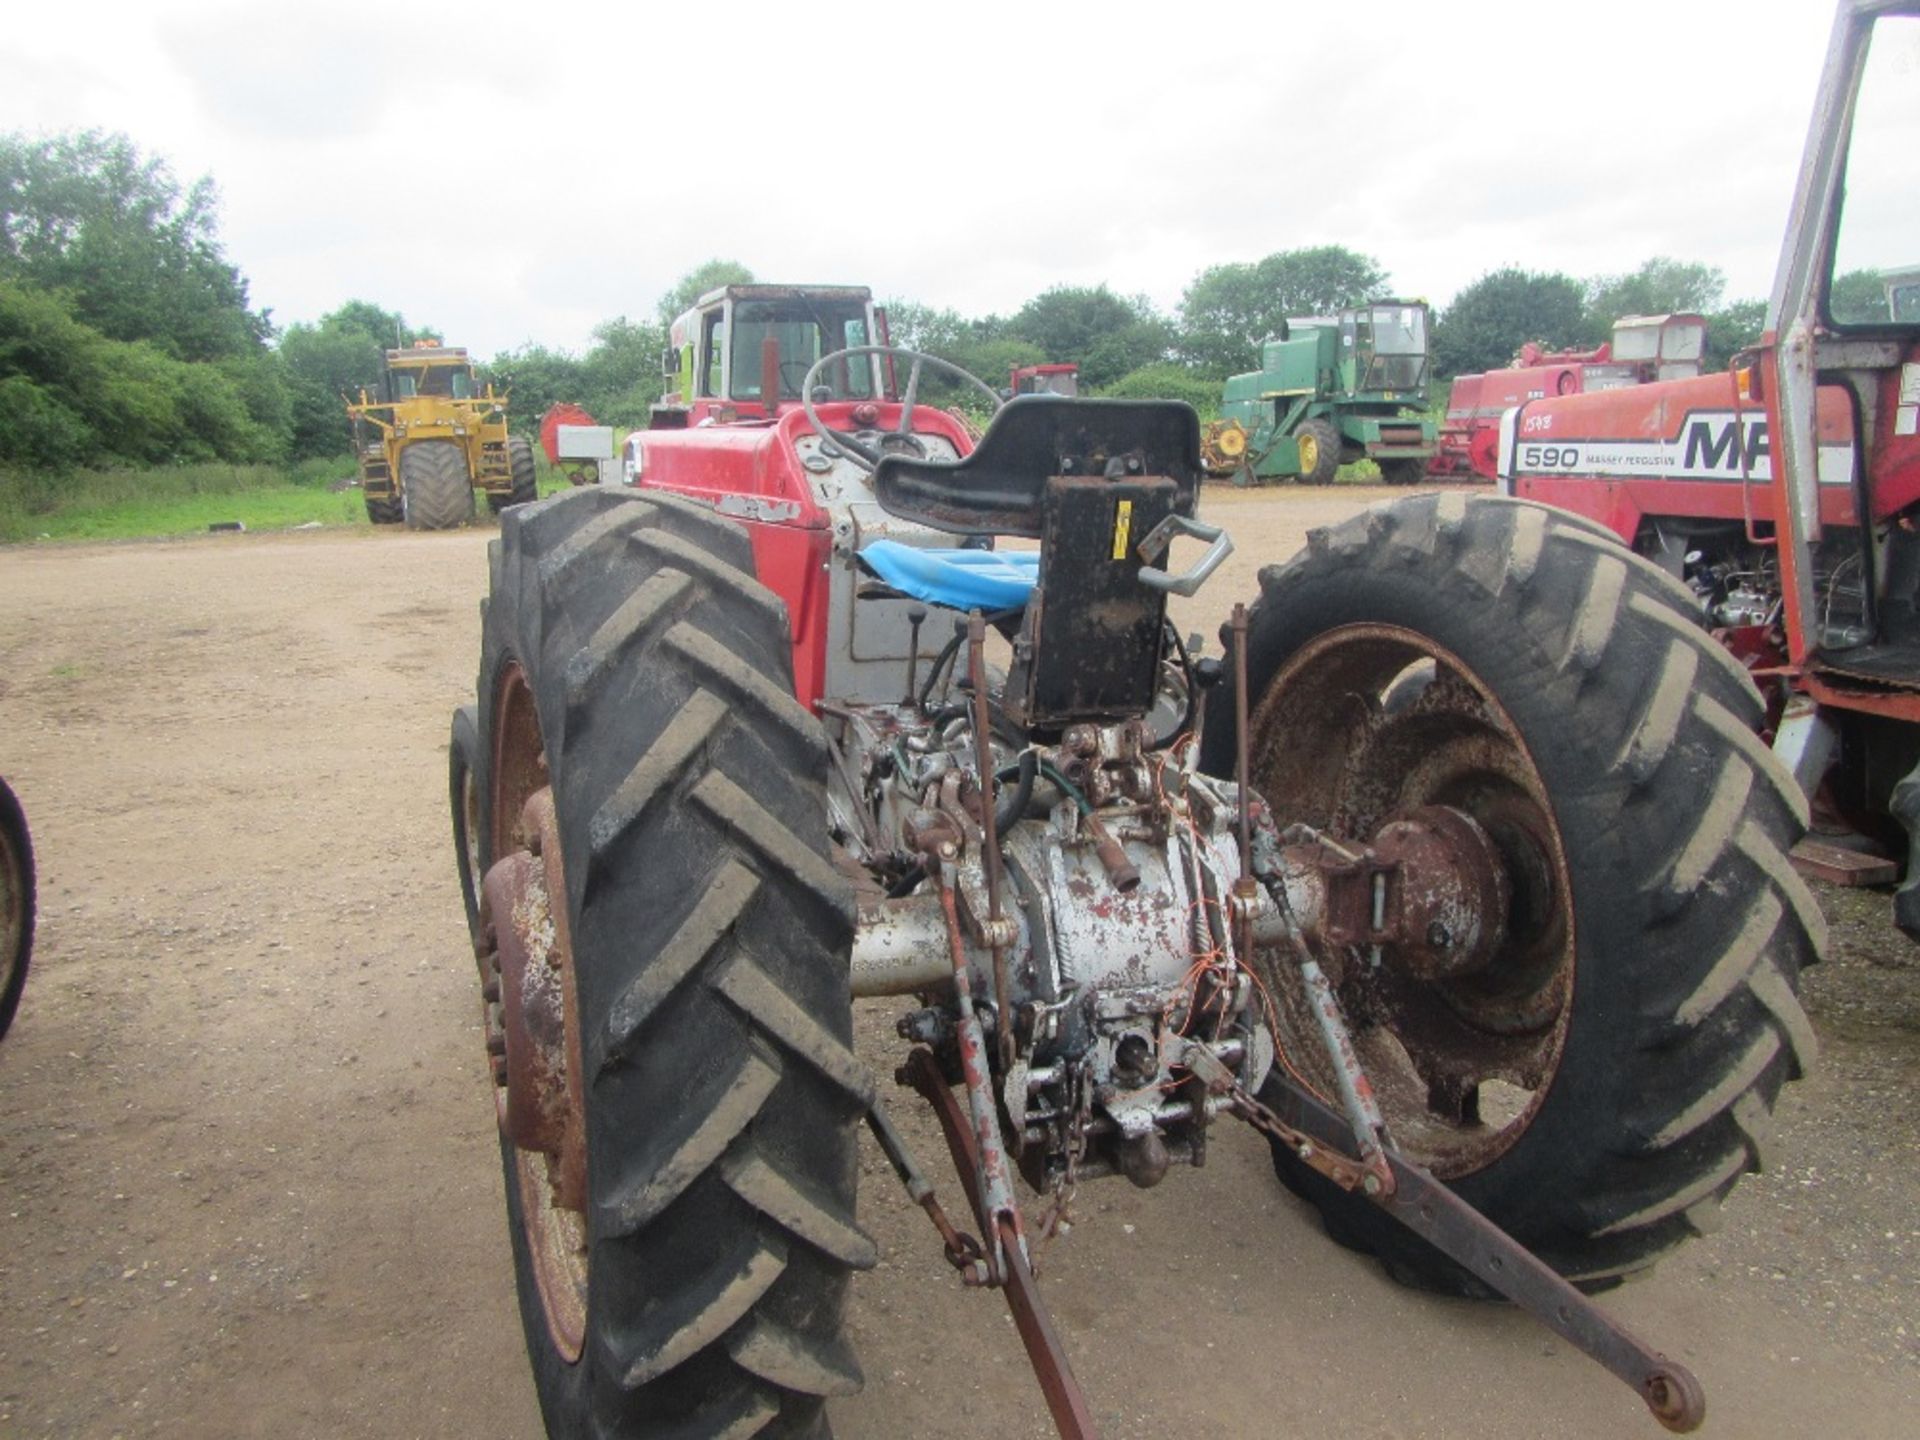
958 579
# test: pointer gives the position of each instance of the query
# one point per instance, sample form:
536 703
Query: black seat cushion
997 489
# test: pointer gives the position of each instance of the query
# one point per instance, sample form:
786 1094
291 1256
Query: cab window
1875 278
805 331
712 377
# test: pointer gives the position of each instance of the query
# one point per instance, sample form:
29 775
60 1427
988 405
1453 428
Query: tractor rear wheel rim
534 1028
1309 449
1366 724
470 816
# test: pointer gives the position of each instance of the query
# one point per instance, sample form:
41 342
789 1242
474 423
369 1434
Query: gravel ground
248 1184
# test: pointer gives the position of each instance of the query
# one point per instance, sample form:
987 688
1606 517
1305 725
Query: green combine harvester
1330 391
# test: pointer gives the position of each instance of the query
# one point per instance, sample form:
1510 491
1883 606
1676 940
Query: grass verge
186 499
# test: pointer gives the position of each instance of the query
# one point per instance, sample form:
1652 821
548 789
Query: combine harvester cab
1331 391
1644 348
1785 494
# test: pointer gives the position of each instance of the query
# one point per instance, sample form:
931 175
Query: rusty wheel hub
532 1016
1451 932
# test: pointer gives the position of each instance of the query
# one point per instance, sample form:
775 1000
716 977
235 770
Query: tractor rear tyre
526 479
16 904
385 512
1603 1083
463 793
437 489
687 1273
1319 445
1403 472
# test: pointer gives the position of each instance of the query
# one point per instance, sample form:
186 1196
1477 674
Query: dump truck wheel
1605 1081
433 478
16 904
526 479
677 1090
1319 445
385 512
463 795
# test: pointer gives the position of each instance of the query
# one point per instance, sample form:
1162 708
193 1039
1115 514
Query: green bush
1165 380
37 428
77 398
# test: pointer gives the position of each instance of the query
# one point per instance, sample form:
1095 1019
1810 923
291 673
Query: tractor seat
990 580
1001 487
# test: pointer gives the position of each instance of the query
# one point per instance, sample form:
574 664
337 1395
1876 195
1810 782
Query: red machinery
1644 348
562 429
1063 379
1786 494
562 413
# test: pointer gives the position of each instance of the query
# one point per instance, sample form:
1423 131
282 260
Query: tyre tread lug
683 1331
743 816
685 738
695 1152
759 1182
783 1358
754 994
706 927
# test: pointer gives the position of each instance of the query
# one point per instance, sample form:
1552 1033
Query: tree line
127 335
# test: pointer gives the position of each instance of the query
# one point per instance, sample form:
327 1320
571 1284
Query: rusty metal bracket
990 1172
1364 1120
990 846
1464 1235
963 1251
1066 1401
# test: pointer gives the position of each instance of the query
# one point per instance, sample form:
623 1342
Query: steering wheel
866 456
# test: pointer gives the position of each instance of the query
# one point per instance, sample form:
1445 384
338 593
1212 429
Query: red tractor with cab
1784 495
833 701
1057 379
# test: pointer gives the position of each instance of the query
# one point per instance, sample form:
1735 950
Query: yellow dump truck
427 442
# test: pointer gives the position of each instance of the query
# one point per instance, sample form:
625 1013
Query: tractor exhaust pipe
770 374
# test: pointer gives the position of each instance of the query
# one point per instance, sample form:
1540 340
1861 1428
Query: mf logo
1717 444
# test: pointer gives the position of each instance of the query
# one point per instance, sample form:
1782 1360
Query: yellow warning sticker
1122 529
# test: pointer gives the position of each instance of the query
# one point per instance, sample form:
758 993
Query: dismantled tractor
1413 875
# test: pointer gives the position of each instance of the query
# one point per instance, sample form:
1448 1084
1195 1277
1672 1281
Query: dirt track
248 1183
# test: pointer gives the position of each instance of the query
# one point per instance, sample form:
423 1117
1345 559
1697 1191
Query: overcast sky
522 172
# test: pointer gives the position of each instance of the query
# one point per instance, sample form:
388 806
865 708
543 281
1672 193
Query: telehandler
426 442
